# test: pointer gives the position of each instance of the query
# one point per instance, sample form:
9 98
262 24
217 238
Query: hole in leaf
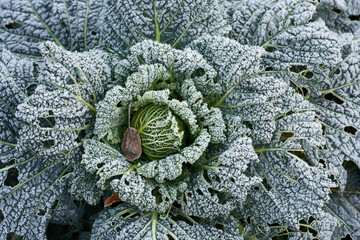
11 179
100 165
354 17
35 70
156 193
337 71
169 237
206 176
117 229
297 68
303 91
213 192
336 10
93 33
266 184
347 237
30 90
256 188
298 154
350 129
322 162
14 25
1 217
269 33
13 236
270 49
220 227
309 75
198 72
119 105
231 179
323 128
48 121
333 98
47 144
54 205
199 192
269 69
248 219
41 212
321 66
287 135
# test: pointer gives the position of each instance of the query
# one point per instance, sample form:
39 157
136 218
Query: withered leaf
113 199
131 144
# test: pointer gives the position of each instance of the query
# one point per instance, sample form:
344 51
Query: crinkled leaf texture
113 224
291 188
345 205
340 16
72 24
174 22
297 49
60 108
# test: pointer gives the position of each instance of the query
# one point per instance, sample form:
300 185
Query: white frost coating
182 64
226 178
70 23
212 117
291 188
290 39
112 169
127 22
140 227
340 15
27 211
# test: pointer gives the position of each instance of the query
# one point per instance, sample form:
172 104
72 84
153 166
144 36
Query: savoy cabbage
246 114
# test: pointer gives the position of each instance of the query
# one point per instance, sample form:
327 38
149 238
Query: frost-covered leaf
112 169
58 115
255 98
345 205
82 185
221 185
71 24
337 104
292 188
171 167
176 22
181 64
297 48
112 117
26 202
113 224
341 16
17 79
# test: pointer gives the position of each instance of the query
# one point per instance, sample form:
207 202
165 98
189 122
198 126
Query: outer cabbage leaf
176 22
60 109
345 205
17 77
340 16
292 189
26 201
337 104
222 184
113 224
71 24
297 49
